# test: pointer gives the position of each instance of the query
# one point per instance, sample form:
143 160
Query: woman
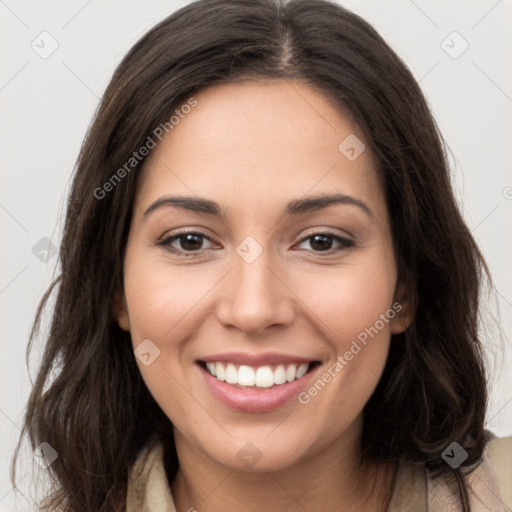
268 297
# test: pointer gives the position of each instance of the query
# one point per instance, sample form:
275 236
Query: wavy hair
89 401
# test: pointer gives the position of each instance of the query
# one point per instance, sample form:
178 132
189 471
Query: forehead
268 140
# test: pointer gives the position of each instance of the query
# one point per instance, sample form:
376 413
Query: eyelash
345 243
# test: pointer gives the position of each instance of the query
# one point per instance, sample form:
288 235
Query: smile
256 384
259 377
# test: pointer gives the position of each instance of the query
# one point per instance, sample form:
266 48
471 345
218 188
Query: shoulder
489 484
499 451
148 489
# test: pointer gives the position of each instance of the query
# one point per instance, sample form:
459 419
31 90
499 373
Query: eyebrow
294 207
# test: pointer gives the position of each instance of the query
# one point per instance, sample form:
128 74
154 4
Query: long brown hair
89 402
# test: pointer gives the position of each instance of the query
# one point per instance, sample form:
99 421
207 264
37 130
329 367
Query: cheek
355 308
160 298
161 302
349 300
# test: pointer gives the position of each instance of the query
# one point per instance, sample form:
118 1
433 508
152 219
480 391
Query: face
261 313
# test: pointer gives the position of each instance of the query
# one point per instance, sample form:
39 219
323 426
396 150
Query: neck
333 479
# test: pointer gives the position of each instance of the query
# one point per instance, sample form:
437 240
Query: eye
323 242
186 243
190 243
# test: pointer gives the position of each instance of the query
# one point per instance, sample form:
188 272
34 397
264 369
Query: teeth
211 368
219 371
246 376
264 377
301 370
280 375
261 377
290 373
231 374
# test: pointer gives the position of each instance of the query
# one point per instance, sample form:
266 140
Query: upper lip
256 359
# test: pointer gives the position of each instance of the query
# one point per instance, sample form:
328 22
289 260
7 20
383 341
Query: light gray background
47 105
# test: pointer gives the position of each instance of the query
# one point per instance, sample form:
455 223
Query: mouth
255 387
257 377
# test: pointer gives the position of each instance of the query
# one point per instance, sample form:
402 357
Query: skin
253 147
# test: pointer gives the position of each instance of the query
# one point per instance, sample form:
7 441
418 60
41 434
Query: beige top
415 491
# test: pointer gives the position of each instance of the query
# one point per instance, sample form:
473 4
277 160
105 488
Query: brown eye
185 244
323 242
190 242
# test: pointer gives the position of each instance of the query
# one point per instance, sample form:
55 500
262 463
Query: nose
255 296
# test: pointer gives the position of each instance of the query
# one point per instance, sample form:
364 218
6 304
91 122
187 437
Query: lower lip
255 400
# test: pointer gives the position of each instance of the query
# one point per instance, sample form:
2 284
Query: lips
256 383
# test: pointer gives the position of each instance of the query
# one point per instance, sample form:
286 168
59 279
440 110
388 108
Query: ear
404 309
120 310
